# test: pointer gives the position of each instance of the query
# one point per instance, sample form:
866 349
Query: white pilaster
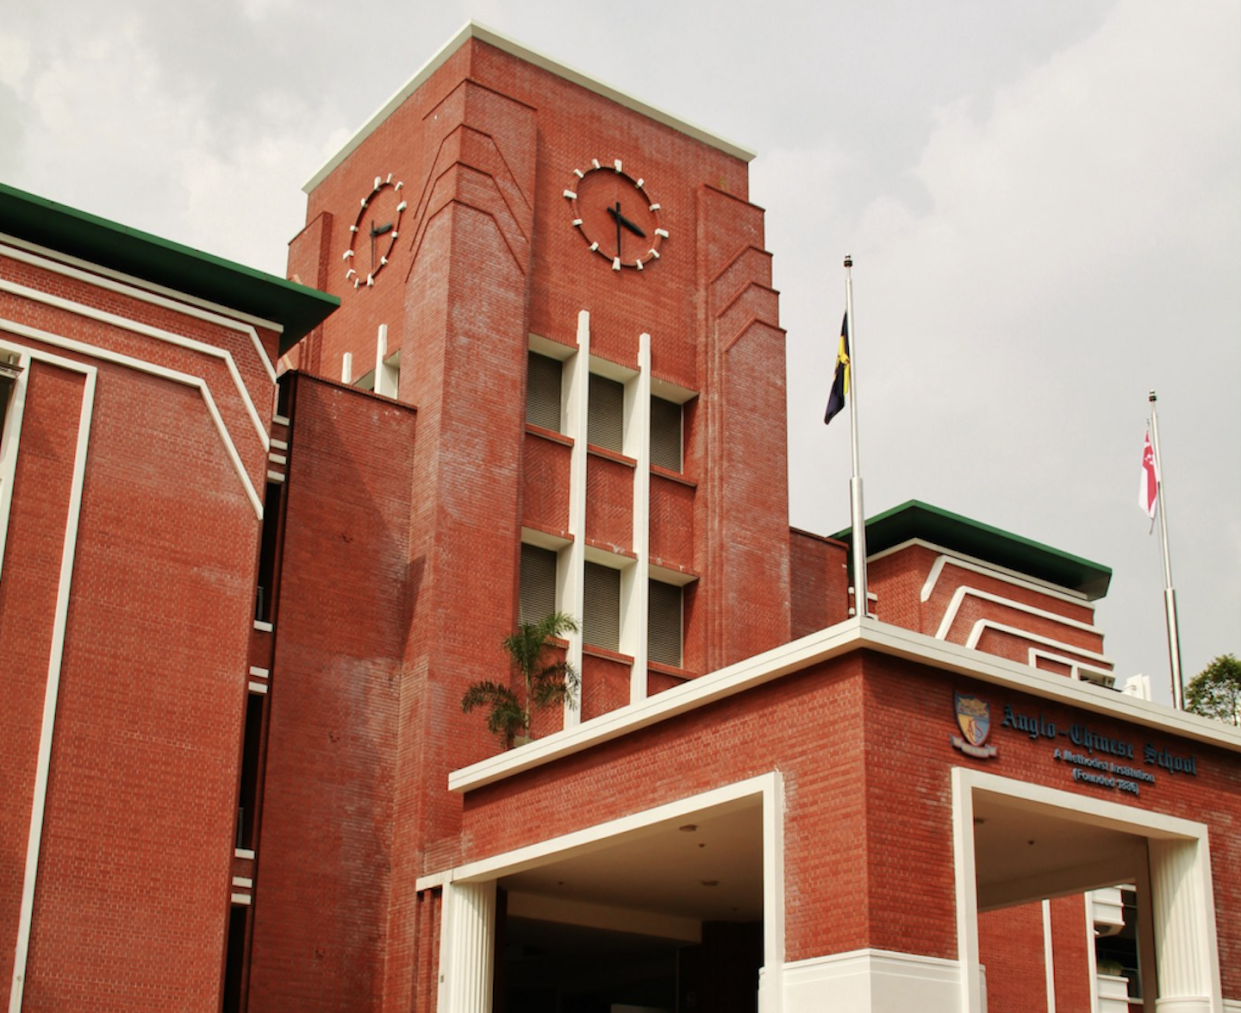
381 353
571 570
638 446
1184 936
467 947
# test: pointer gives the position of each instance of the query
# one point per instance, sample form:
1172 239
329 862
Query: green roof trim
162 262
982 541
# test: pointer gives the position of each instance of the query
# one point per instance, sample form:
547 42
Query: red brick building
241 776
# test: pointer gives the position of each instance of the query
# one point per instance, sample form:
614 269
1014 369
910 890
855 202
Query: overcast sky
1043 200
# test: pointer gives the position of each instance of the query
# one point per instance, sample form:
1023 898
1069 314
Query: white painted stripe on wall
155 295
147 331
1075 667
55 658
241 898
958 596
987 569
69 344
983 625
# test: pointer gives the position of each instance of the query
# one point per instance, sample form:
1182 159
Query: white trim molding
55 657
851 635
143 291
197 382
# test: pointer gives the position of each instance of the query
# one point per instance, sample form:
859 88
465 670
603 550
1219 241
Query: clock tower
570 290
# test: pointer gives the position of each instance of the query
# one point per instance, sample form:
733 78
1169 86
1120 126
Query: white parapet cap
835 641
473 30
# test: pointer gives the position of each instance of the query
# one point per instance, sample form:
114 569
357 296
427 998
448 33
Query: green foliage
545 680
1215 692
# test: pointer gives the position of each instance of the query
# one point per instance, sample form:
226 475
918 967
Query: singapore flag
1149 492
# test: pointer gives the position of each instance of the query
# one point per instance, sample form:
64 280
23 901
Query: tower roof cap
917 520
474 30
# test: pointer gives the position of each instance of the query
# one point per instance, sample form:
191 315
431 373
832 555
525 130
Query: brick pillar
463 362
743 603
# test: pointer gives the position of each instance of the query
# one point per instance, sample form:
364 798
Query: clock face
373 235
616 216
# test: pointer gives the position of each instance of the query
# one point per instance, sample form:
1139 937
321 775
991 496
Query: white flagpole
857 515
1169 593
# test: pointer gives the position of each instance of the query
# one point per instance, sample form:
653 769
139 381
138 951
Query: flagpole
1169 592
857 515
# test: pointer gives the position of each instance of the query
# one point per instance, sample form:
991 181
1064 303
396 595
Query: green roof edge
984 541
296 308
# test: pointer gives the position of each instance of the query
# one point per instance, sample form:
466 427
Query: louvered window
663 637
601 605
606 415
543 391
666 434
538 584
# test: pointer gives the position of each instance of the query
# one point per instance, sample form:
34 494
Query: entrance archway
677 907
1016 842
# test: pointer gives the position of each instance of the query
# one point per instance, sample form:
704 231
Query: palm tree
545 680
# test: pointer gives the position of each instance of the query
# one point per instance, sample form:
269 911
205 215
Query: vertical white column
467 950
1188 967
1049 959
638 446
381 353
573 561
346 368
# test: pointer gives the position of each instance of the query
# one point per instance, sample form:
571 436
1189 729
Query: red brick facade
388 545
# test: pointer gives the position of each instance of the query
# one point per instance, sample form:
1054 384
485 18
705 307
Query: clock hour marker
662 232
595 162
654 207
570 194
579 174
616 264
618 165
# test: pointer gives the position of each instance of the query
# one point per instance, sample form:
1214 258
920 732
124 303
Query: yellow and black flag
840 382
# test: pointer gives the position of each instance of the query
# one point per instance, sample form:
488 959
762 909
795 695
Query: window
543 391
9 372
265 591
666 434
601 606
605 422
247 795
663 623
537 597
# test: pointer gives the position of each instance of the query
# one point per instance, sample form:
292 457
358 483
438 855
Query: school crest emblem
974 720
